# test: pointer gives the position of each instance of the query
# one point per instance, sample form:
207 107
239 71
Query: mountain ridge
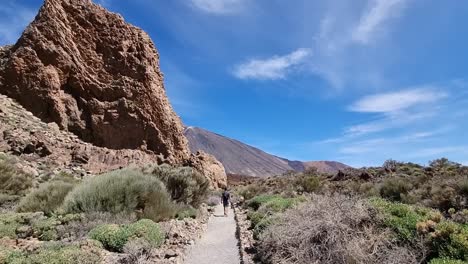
240 158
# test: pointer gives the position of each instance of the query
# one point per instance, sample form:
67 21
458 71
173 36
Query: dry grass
335 229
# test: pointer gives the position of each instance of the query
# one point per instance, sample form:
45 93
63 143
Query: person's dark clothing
226 196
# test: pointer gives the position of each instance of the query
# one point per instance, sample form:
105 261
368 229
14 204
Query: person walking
225 199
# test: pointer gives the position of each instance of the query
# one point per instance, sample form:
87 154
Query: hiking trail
219 243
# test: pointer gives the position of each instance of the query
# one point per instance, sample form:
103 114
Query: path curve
219 243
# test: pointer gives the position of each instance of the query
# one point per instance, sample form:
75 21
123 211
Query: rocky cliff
98 77
95 75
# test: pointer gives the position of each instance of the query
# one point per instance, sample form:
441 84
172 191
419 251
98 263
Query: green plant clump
400 217
114 237
122 191
446 261
184 184
268 206
47 198
50 254
12 180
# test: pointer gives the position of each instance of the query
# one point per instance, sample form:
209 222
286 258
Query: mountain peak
242 159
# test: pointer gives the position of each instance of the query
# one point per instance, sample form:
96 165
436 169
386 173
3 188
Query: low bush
54 253
47 198
186 212
266 213
114 237
12 180
258 201
24 225
184 184
250 191
336 229
401 218
446 261
308 184
394 189
450 240
122 191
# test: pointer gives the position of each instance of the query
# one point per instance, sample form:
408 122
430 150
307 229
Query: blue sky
356 81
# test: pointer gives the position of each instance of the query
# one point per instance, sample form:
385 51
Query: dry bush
184 184
336 229
12 180
47 198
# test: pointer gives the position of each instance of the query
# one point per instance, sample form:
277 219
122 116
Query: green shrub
12 180
450 240
401 218
147 230
6 198
258 201
122 191
252 190
184 184
114 237
186 212
394 189
446 261
308 184
53 254
268 206
47 198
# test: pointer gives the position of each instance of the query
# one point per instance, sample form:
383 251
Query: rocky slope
98 77
240 158
43 148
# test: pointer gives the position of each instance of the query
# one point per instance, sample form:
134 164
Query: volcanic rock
209 166
95 75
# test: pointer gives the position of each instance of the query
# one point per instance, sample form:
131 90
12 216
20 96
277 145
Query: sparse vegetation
335 229
414 213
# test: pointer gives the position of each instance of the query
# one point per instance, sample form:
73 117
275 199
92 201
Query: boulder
209 166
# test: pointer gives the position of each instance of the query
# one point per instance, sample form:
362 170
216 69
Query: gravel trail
219 243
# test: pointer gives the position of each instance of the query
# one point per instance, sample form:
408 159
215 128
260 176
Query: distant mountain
240 158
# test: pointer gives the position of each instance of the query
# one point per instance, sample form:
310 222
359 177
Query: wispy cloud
276 67
219 7
439 151
372 21
397 101
340 42
13 20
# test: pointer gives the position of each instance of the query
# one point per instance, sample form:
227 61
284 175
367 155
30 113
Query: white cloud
14 19
397 101
438 151
219 7
272 68
379 12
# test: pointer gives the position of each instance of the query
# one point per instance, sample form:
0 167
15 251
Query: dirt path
218 244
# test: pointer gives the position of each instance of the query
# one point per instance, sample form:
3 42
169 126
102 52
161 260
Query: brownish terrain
242 159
